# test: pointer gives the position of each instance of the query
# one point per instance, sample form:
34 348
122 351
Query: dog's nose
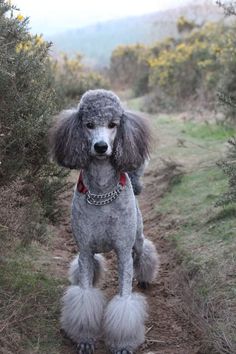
100 147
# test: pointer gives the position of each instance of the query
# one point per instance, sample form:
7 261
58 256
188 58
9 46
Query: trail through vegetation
173 326
192 301
167 330
188 202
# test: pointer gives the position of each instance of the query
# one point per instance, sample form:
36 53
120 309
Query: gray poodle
105 142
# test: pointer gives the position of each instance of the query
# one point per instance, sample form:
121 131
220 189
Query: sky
52 16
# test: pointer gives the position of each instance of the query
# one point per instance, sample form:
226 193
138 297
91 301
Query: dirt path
167 330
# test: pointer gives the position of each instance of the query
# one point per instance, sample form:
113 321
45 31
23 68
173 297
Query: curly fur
118 226
124 321
146 265
99 270
131 146
135 178
82 312
69 146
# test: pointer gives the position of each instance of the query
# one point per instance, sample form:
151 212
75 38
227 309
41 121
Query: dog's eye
90 126
112 125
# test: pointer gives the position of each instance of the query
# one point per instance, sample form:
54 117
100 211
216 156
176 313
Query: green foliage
227 83
29 304
184 25
228 166
72 79
33 88
175 72
28 101
227 97
204 236
191 68
129 68
209 131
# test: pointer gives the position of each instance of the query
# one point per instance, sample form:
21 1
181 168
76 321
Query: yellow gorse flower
38 40
19 47
20 17
23 47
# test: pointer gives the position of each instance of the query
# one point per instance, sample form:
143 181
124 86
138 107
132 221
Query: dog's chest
103 228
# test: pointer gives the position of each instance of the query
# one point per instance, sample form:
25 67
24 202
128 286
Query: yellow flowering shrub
185 25
72 79
28 102
193 64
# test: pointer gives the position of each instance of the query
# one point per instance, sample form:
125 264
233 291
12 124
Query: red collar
81 188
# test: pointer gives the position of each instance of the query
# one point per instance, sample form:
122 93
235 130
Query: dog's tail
135 178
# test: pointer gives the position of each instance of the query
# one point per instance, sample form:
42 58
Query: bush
191 68
72 79
28 101
175 72
227 83
129 68
184 25
228 98
228 166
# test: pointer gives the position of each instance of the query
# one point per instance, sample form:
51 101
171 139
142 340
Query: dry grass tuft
212 315
168 173
21 217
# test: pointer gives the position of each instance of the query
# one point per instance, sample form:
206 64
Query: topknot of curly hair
98 102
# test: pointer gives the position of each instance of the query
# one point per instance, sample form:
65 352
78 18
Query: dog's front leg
126 312
83 307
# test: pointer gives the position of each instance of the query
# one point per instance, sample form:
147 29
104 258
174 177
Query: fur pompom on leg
82 313
99 270
146 265
124 322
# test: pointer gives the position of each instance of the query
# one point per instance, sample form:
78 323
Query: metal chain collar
103 199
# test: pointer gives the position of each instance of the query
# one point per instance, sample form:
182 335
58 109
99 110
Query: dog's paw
143 285
124 351
85 348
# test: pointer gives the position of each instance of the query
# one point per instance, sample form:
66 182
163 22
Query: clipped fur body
105 141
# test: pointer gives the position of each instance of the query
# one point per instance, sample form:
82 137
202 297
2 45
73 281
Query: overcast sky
51 16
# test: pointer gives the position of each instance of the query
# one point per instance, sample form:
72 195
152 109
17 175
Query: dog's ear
131 145
69 145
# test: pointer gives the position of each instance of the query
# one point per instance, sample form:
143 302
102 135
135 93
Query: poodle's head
100 129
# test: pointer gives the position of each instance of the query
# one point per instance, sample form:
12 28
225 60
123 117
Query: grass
205 235
30 299
205 238
136 104
208 131
202 225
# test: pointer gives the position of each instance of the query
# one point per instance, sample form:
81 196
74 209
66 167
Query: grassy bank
30 299
204 235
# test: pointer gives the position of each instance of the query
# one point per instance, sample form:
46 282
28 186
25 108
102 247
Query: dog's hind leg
126 312
83 307
146 259
99 267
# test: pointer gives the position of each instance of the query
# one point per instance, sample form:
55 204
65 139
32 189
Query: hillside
96 42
